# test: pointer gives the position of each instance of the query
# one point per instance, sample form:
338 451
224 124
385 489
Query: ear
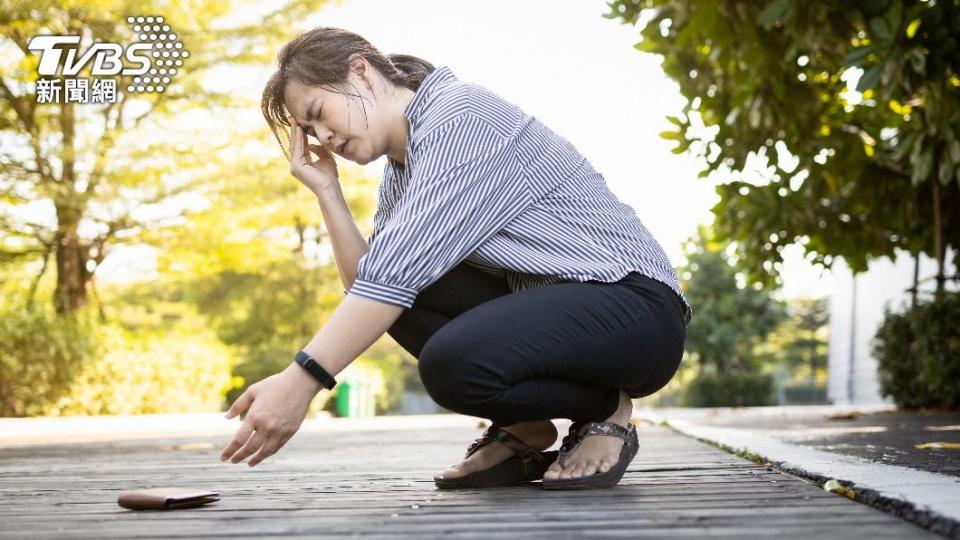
362 69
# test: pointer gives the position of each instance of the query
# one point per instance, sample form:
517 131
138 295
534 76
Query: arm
320 176
347 241
355 325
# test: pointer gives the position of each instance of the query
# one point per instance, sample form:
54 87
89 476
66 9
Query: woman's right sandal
526 466
581 430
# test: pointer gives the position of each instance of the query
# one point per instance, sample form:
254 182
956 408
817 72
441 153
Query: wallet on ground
166 498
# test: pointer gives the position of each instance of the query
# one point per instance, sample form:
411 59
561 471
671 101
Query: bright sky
577 72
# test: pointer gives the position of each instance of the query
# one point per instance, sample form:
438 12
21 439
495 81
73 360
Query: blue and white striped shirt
488 184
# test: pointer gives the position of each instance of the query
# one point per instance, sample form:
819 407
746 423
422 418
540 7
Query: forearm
355 325
347 241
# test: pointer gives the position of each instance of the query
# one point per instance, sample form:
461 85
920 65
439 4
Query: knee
448 370
437 366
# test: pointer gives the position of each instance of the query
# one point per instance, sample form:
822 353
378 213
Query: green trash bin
347 402
357 394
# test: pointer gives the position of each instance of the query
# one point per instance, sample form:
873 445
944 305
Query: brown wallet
166 498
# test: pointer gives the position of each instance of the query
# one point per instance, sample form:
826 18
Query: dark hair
321 57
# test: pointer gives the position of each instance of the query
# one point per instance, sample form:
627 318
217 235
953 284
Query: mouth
341 147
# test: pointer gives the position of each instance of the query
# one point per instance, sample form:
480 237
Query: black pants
556 351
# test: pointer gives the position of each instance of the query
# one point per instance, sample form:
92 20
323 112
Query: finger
304 142
295 139
320 150
239 438
269 448
252 445
273 449
240 405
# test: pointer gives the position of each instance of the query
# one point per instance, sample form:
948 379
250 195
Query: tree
858 173
807 348
734 321
93 164
799 345
733 318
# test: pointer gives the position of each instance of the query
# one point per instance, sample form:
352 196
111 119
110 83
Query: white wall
853 326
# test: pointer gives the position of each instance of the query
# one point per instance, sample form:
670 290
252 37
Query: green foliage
918 354
805 346
68 365
241 283
808 161
40 354
796 352
181 370
735 388
100 166
734 322
734 318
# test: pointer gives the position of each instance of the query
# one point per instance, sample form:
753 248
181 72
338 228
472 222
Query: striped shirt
490 185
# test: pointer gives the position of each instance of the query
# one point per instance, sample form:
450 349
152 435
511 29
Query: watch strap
315 369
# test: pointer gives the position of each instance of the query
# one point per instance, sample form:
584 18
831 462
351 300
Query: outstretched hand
272 410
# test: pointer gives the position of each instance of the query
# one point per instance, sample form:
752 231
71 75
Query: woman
499 259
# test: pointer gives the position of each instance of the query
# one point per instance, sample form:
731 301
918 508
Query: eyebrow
308 115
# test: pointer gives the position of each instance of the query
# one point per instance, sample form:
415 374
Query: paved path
373 477
869 449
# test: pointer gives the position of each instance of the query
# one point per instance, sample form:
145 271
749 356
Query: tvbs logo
152 61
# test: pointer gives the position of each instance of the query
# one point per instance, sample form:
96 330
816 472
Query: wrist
304 378
313 367
330 190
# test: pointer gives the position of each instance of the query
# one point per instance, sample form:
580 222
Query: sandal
527 465
581 430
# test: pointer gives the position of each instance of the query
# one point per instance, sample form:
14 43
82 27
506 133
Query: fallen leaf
834 486
844 415
947 445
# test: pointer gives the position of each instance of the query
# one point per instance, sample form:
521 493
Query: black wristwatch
311 365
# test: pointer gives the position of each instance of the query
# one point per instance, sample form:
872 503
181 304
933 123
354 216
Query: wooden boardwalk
378 483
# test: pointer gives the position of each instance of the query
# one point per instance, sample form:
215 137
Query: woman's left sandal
579 431
525 466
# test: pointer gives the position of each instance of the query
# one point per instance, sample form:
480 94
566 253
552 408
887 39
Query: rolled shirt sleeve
466 183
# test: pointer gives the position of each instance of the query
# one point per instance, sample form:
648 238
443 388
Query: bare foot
596 453
538 435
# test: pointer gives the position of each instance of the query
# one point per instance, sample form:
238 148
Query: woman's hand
318 174
275 408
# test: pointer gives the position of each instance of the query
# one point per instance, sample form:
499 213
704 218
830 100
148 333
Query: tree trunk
938 238
72 274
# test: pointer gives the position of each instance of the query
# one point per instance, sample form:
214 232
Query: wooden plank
379 483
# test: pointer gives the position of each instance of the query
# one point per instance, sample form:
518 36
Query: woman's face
334 119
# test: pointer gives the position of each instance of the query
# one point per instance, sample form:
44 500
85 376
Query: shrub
145 373
74 365
40 354
730 388
918 354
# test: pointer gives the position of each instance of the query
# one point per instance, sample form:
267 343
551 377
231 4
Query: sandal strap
528 455
606 428
580 430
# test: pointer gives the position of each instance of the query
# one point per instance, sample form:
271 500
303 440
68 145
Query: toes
604 466
575 470
553 471
453 472
590 468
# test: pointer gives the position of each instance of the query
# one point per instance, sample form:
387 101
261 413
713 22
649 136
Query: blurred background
798 161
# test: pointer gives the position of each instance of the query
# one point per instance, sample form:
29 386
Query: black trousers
557 351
